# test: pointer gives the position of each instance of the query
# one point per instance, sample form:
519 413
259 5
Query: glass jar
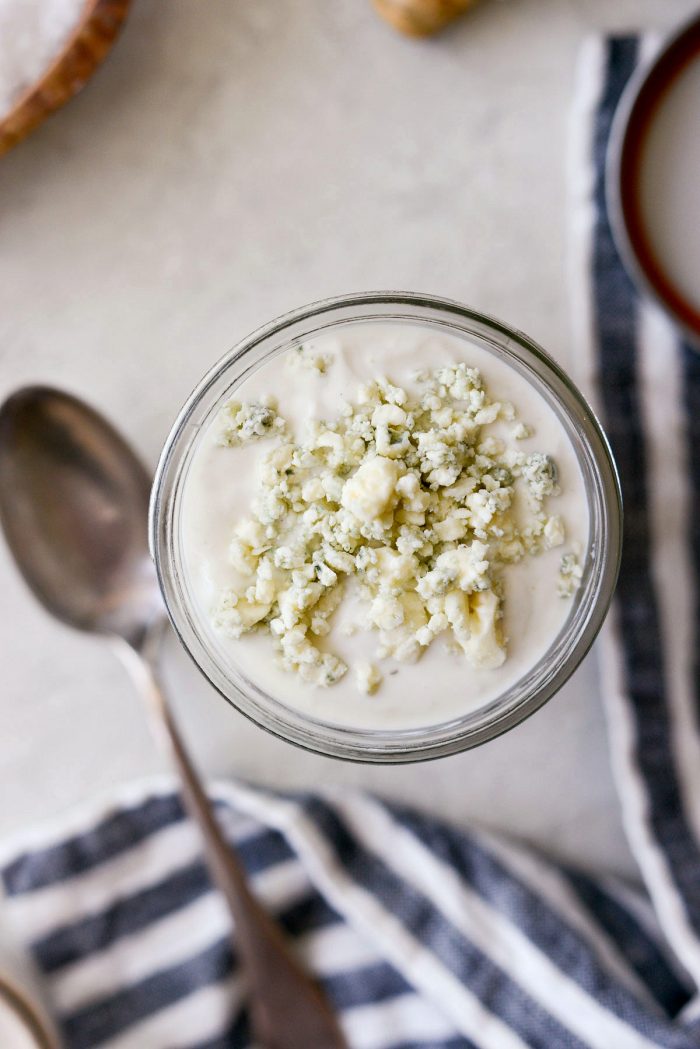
600 565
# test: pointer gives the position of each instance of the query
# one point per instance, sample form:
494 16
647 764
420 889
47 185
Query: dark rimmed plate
653 177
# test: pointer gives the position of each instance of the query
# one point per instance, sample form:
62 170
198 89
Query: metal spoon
73 504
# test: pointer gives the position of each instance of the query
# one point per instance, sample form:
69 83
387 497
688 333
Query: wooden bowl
85 49
15 1004
421 17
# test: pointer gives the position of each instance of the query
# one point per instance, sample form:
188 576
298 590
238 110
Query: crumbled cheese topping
408 497
305 358
368 677
570 574
249 422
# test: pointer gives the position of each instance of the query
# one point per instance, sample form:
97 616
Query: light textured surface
231 161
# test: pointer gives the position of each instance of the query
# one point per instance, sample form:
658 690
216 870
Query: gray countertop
232 161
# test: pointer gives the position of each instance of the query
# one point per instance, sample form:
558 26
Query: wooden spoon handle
288 1009
421 17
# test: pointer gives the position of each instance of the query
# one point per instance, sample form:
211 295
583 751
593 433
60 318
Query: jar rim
528 693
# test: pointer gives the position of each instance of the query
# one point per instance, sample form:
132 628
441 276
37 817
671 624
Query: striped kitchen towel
425 936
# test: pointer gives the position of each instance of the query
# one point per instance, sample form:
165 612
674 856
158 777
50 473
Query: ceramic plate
653 177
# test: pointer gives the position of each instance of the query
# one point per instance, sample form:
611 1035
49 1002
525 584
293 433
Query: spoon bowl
74 504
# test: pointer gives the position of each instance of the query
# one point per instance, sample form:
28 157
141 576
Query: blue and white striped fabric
426 937
422 936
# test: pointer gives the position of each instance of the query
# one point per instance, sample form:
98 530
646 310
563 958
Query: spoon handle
287 1007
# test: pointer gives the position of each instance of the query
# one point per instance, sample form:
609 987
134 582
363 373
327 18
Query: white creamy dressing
441 686
670 183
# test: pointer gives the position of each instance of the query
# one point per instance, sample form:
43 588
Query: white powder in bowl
32 33
13 1032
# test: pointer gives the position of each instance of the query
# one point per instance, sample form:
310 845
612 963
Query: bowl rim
323 737
633 117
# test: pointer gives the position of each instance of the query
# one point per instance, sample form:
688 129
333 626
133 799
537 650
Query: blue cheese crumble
570 574
408 499
249 422
305 357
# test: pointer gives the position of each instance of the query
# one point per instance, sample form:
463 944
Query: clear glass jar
599 569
